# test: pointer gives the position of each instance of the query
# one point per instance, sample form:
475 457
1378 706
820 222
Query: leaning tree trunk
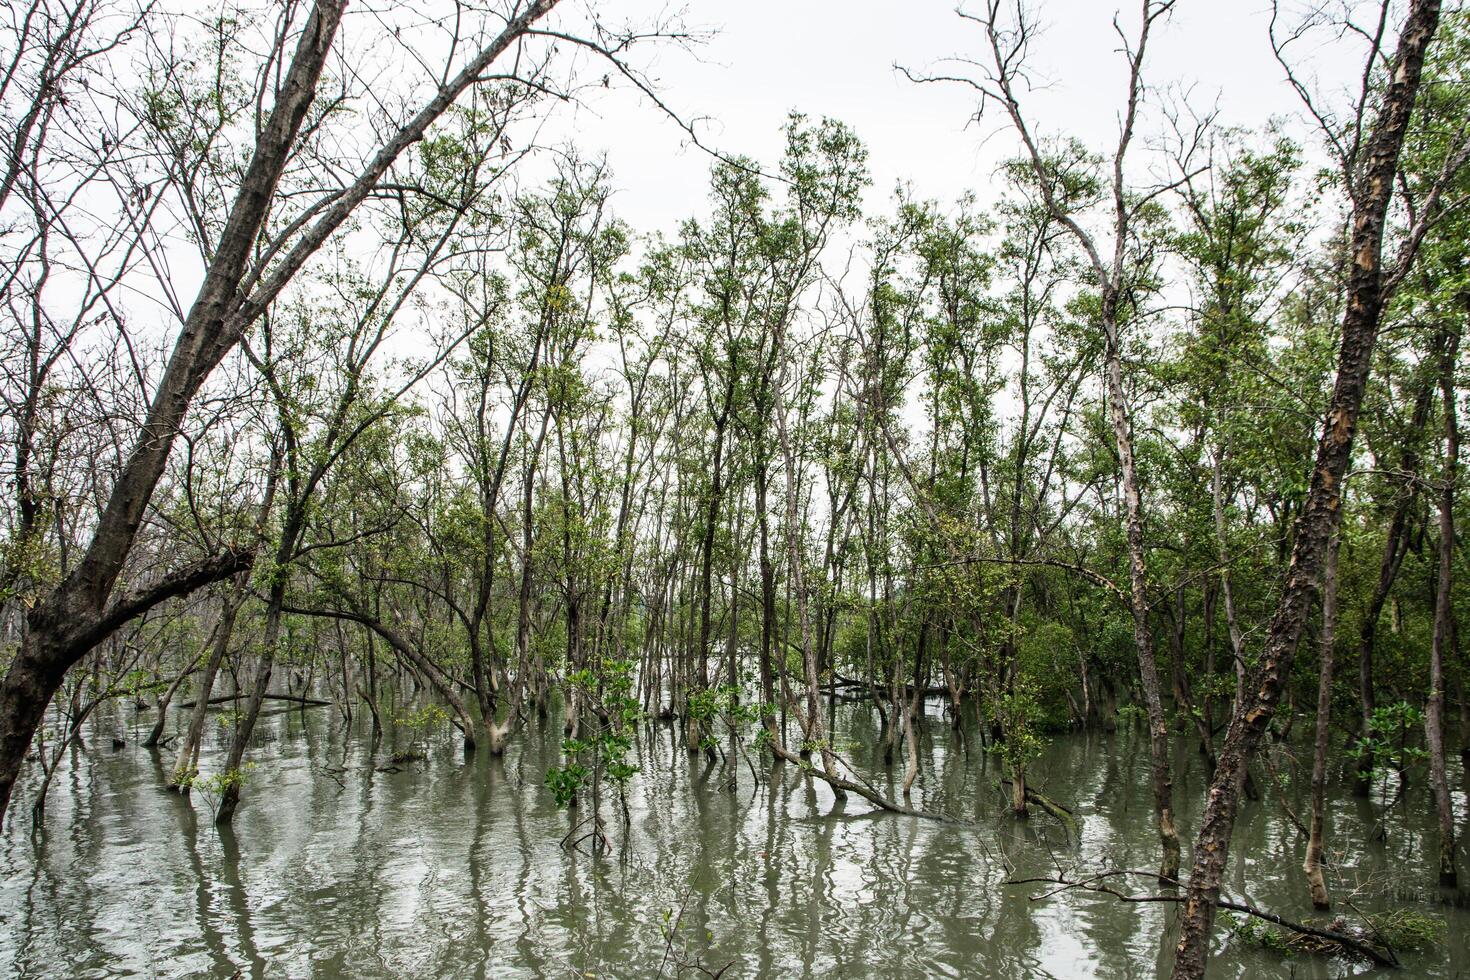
1366 295
82 610
77 614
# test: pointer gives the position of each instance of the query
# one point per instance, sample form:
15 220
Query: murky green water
455 868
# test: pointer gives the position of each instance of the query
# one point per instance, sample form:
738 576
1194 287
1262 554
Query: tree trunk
156 733
1313 863
768 595
1158 725
66 623
1434 710
260 685
1394 547
911 705
1318 519
187 761
707 558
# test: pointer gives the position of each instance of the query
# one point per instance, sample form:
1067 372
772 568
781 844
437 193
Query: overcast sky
837 57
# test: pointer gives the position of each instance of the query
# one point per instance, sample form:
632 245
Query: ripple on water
456 869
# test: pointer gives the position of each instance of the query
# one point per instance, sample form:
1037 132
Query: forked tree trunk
74 616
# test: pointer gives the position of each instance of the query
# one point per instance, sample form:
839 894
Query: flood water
455 868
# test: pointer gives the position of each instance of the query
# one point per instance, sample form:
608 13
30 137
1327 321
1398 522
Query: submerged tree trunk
1443 611
1148 671
1183 696
768 596
1394 547
1111 277
186 763
1316 883
156 734
911 706
814 728
259 687
707 557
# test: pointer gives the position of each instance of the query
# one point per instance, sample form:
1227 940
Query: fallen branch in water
226 698
1066 816
860 789
1335 939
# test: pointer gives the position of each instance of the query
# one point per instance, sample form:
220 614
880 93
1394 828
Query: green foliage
604 750
1132 716
29 563
566 780
422 722
139 681
217 783
1406 929
214 786
723 702
1396 930
1390 729
1018 712
1256 932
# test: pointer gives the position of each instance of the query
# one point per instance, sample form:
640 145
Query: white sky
836 58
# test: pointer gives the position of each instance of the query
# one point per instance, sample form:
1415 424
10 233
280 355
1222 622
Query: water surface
455 868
